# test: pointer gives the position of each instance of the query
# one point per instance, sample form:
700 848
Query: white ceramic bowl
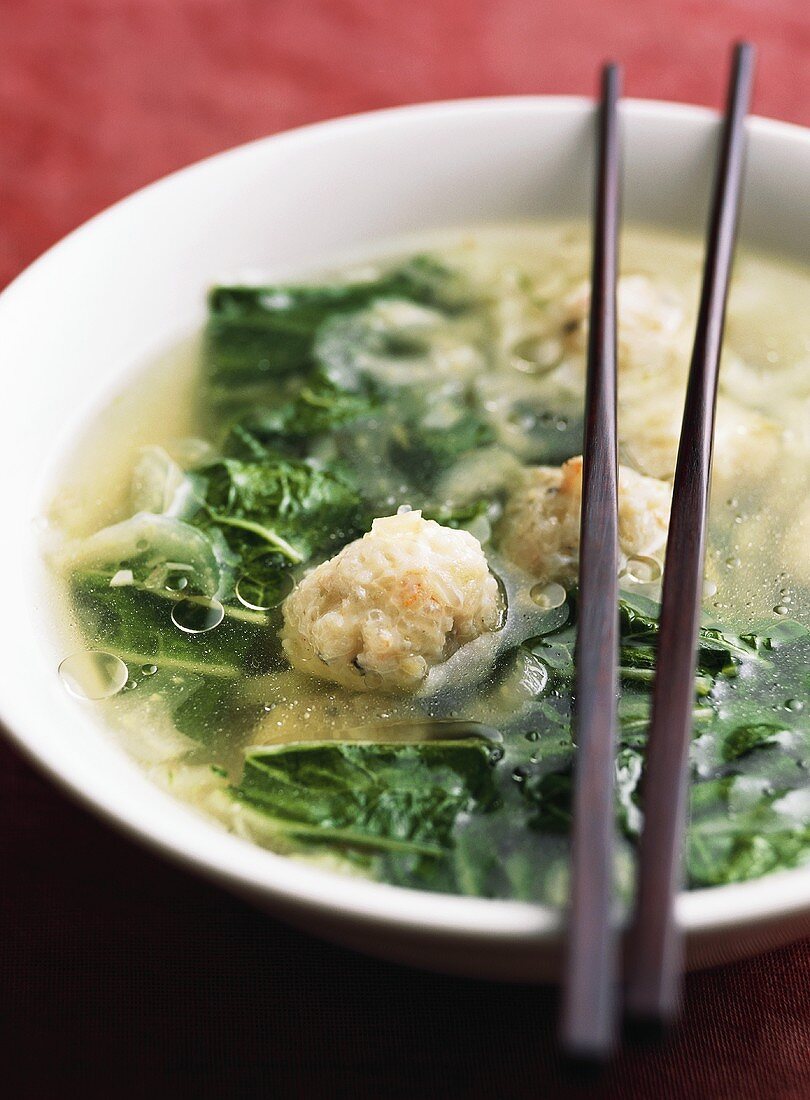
133 280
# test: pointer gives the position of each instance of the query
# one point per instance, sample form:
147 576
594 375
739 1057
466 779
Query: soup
319 566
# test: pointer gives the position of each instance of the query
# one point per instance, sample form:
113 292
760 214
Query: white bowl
133 280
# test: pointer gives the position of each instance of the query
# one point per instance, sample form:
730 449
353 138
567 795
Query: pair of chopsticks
654 965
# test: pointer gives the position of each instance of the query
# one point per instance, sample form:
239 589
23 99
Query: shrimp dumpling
540 527
391 605
653 328
747 445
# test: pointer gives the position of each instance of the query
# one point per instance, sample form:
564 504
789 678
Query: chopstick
589 1009
655 944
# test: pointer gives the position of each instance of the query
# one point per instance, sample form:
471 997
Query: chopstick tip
745 54
612 74
583 1068
647 1031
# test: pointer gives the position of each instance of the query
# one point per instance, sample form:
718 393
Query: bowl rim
187 837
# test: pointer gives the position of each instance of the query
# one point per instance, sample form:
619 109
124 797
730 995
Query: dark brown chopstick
655 942
589 1010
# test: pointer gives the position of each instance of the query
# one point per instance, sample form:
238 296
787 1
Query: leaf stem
269 536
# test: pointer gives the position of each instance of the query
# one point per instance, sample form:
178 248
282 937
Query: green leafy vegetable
291 507
212 711
257 334
743 828
743 739
731 837
497 856
381 797
426 451
460 515
550 795
135 623
638 624
292 427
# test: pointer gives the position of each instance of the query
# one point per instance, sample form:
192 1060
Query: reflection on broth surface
396 702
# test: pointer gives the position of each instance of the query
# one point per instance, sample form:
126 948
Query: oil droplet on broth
93 674
197 614
548 596
643 570
536 355
257 595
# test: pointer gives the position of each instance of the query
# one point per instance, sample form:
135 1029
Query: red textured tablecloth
119 975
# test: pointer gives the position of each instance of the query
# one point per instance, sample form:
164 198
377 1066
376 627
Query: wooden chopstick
655 943
589 1009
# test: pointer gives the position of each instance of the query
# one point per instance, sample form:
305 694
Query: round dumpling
391 605
540 527
652 329
746 444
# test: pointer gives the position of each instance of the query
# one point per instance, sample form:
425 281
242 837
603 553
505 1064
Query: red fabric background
118 974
